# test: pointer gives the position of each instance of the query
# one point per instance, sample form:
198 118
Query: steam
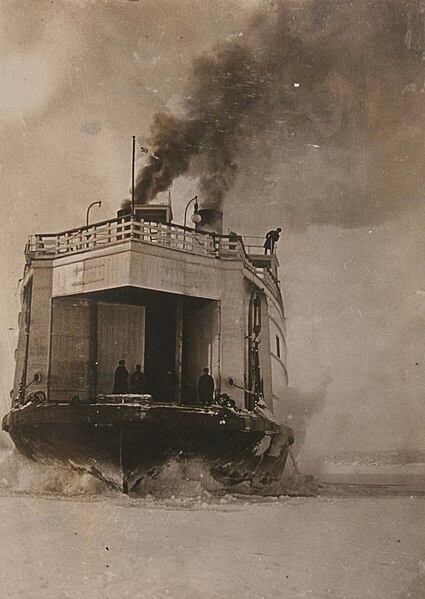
313 76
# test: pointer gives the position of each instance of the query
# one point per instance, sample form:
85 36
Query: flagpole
132 174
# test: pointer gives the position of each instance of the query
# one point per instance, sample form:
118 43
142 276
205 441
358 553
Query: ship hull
123 443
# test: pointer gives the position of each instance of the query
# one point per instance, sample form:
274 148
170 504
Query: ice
66 535
350 548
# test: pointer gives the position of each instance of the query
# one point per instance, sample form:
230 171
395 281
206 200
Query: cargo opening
172 337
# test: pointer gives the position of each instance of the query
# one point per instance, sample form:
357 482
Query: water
67 534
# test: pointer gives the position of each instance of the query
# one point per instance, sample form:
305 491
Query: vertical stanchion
133 160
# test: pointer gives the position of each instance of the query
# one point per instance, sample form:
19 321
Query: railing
125 228
268 278
121 229
169 235
253 244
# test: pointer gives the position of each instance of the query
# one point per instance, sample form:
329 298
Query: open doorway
172 337
201 345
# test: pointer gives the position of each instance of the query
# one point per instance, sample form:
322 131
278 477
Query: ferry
175 300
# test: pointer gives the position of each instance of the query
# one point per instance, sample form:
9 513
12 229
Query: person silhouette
137 381
272 237
121 378
205 388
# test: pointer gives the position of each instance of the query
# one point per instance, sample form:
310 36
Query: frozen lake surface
74 539
293 547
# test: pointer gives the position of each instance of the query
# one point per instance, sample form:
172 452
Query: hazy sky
331 150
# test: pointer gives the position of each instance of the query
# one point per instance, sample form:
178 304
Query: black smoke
343 80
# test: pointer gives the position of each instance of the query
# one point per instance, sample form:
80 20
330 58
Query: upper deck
88 241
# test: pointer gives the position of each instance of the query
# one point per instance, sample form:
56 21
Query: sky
309 116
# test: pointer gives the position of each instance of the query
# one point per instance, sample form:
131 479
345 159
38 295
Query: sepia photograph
212 299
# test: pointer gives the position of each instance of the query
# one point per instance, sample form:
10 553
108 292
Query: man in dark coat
137 381
272 237
121 378
206 388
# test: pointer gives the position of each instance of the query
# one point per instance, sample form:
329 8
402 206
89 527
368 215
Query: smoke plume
338 79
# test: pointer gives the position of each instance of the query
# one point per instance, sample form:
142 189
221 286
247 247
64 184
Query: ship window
278 346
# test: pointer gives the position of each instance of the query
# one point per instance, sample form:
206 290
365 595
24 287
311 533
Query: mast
132 173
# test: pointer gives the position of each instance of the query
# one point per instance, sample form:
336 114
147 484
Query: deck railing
117 230
121 229
253 244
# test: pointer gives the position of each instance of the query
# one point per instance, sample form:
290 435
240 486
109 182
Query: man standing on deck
272 237
137 381
121 378
205 388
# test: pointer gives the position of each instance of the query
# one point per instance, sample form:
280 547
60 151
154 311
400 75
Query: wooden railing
118 230
267 276
125 228
253 244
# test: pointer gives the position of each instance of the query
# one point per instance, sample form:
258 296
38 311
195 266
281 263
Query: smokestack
211 221
125 208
